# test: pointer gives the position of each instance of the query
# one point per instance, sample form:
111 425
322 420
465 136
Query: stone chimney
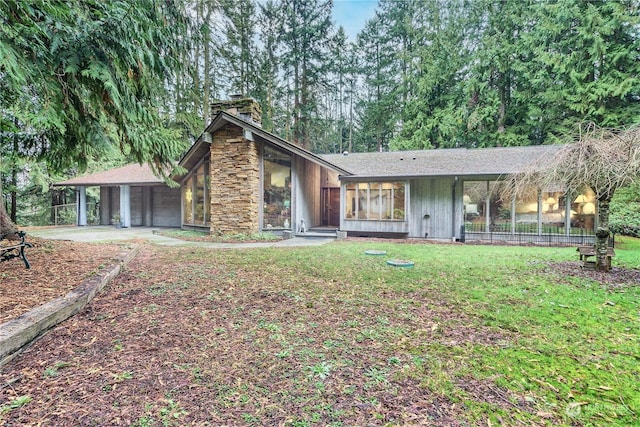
246 108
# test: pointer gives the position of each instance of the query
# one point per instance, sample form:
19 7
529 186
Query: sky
352 15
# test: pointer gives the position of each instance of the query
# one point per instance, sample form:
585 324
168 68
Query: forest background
422 74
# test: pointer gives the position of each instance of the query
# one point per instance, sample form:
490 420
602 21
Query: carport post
81 201
125 205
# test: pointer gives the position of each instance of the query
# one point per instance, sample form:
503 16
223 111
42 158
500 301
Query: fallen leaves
57 267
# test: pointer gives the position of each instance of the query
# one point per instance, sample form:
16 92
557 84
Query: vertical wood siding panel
431 196
136 206
166 207
309 194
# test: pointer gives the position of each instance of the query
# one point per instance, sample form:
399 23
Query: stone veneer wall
235 183
246 108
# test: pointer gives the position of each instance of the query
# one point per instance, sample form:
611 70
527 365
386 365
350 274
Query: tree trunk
602 247
13 212
7 227
602 234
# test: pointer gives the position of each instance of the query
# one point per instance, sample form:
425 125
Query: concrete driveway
103 233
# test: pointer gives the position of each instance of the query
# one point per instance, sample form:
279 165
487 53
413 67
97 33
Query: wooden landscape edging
17 333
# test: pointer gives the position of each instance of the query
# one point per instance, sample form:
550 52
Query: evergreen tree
496 90
304 37
239 49
377 102
270 90
584 64
91 74
433 114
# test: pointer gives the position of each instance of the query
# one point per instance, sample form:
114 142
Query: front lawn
330 336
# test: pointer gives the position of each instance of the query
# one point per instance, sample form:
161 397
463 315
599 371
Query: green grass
627 250
566 349
330 336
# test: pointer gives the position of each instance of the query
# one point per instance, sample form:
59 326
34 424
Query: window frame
355 191
190 183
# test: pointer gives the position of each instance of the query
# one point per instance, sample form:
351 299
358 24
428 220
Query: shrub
625 212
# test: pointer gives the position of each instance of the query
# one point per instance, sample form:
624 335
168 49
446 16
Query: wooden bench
15 250
586 252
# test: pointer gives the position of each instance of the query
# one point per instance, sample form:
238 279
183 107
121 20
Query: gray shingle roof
441 162
133 174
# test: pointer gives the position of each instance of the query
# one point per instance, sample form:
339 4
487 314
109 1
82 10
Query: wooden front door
331 206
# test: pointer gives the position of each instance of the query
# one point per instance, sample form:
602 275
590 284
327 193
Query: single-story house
242 179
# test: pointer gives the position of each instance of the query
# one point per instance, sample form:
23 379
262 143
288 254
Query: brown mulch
206 343
615 279
57 267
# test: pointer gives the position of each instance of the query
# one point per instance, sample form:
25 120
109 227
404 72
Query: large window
375 201
583 211
195 197
474 200
277 189
536 212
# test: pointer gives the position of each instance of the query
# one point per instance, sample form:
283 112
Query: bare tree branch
603 159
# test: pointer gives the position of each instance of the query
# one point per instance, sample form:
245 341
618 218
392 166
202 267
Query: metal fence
528 234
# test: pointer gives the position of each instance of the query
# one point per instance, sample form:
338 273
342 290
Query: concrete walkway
111 234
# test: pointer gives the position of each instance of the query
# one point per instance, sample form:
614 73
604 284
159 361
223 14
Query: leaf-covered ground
57 267
188 336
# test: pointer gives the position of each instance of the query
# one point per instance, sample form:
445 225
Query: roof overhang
387 178
132 174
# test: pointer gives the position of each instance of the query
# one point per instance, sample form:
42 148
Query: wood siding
165 203
307 193
375 227
434 197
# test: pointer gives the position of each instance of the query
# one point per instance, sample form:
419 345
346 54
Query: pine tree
377 102
239 49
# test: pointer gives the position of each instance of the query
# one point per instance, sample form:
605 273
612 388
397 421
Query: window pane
207 196
583 211
351 204
499 210
474 201
375 203
553 212
363 200
386 191
187 202
199 200
398 201
277 189
527 213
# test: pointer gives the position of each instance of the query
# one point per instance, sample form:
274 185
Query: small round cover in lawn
400 263
375 252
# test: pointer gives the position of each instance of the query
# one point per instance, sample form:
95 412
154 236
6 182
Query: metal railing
527 234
